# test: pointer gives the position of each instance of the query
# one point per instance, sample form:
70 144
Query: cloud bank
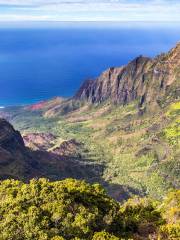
90 10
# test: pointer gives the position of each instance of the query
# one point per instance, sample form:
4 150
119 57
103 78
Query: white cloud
90 10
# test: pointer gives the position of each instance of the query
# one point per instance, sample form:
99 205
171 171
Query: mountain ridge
139 80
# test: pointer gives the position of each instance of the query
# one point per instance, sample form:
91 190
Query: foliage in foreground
75 210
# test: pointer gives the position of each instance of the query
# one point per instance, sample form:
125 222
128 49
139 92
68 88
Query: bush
169 231
45 210
139 215
104 236
170 209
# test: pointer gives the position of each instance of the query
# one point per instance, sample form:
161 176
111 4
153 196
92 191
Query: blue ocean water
39 63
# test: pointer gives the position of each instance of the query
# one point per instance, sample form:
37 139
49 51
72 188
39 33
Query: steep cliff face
9 138
15 160
120 85
144 79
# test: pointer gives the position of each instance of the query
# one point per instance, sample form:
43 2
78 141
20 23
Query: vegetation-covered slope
75 210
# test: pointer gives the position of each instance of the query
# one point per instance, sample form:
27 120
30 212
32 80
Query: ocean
40 62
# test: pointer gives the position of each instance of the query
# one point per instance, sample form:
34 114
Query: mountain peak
174 50
177 47
140 58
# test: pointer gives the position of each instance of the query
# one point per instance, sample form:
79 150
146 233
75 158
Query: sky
89 10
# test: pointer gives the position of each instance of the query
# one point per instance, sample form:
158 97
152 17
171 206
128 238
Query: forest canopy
75 210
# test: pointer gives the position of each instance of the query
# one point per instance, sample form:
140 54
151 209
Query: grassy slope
140 152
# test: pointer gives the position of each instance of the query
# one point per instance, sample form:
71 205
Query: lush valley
124 127
121 130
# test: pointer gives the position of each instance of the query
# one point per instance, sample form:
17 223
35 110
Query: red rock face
39 141
47 142
37 106
44 105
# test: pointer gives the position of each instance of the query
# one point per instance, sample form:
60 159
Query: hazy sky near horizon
89 10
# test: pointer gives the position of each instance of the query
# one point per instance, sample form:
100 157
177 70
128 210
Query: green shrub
169 231
44 210
140 214
170 209
104 236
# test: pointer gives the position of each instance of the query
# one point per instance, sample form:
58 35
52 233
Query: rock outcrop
68 148
15 159
39 141
9 138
